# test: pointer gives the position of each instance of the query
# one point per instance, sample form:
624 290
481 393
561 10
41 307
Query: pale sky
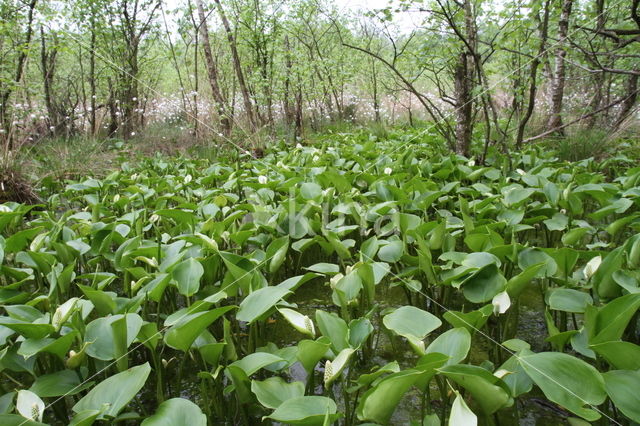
405 21
346 5
362 4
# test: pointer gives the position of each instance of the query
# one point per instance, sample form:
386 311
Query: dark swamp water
528 410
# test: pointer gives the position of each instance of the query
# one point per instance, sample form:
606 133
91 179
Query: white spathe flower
501 302
298 145
387 170
332 369
300 322
29 405
521 172
501 373
592 266
187 179
63 313
262 180
333 281
471 163
133 133
328 371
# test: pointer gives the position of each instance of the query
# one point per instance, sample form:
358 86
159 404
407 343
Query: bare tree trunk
113 109
248 106
196 120
22 58
376 102
488 107
48 62
92 74
533 75
598 80
596 100
558 80
298 112
130 99
630 97
212 72
135 24
463 84
464 81
174 59
288 113
85 111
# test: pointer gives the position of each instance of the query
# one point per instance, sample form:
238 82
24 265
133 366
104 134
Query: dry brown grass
15 187
73 159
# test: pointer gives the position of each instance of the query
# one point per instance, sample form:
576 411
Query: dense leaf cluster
291 288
